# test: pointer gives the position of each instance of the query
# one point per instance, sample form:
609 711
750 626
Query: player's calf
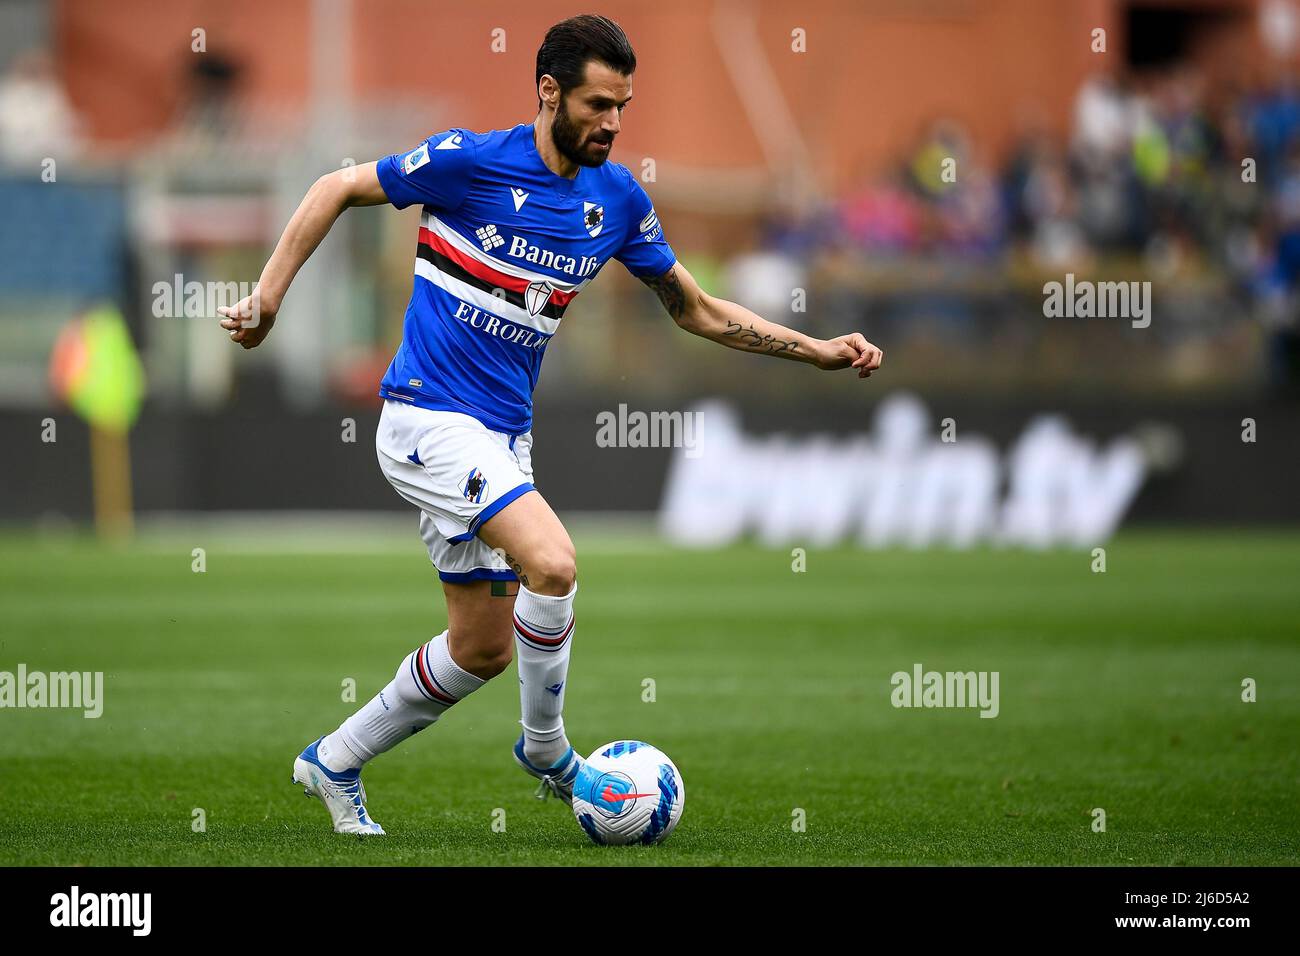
427 684
542 555
543 626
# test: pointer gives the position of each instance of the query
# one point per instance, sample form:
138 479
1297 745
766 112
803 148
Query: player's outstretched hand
249 320
851 351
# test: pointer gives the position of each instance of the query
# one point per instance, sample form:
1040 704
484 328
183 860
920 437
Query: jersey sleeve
436 173
646 252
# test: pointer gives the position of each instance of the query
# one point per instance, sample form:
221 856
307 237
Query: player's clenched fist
249 320
851 351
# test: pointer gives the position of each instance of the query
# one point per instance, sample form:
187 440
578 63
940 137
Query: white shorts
459 473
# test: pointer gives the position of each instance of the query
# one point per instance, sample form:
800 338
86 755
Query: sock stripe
549 631
431 684
419 685
433 673
543 641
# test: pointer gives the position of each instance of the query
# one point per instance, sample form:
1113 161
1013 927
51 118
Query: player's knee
553 571
485 652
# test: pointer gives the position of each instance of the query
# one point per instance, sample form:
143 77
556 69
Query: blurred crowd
1160 176
1160 169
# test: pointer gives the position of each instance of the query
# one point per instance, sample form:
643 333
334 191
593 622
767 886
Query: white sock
543 635
427 683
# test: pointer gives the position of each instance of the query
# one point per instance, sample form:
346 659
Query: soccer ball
628 792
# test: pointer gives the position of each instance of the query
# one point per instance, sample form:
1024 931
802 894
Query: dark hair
571 43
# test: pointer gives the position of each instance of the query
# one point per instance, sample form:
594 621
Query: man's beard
567 139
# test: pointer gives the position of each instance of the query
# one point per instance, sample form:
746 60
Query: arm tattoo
751 339
673 297
670 292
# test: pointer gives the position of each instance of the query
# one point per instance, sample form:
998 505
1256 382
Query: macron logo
451 142
519 196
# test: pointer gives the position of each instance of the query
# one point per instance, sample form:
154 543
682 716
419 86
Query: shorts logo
593 217
474 487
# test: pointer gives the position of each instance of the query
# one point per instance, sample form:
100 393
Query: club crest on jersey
415 159
537 295
474 487
593 217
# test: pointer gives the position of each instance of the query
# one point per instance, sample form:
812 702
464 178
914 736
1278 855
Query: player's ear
548 90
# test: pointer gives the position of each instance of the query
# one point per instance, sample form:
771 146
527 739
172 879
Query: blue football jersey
505 245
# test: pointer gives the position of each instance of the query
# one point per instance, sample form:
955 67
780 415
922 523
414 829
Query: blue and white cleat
558 778
343 793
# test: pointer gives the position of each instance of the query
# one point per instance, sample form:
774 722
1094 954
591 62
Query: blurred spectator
36 118
882 218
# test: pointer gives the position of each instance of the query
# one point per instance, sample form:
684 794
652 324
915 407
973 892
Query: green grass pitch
1119 691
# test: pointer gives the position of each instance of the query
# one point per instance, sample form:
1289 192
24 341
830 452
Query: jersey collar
562 184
